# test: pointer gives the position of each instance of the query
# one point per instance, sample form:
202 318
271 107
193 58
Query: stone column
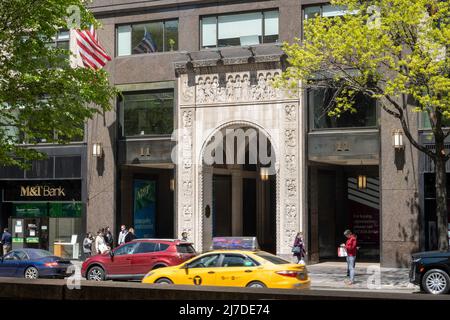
314 216
236 198
400 213
207 190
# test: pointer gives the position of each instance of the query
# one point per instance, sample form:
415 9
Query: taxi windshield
271 258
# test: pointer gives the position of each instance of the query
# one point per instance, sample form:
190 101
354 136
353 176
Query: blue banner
144 194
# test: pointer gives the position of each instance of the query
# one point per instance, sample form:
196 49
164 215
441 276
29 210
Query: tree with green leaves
395 51
41 95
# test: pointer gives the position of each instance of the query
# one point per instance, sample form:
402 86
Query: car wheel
96 274
31 273
436 281
163 281
256 284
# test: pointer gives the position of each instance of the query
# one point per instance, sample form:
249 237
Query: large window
147 37
240 29
325 11
320 103
147 113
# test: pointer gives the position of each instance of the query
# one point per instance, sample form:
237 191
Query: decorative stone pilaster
290 221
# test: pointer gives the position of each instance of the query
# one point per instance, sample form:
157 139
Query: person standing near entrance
6 241
298 248
87 245
100 245
130 235
122 234
351 248
109 238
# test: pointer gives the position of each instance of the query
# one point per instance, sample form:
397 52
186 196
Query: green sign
32 240
52 209
17 240
65 210
30 210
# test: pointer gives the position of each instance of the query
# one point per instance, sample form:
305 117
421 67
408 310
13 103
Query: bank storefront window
147 113
43 214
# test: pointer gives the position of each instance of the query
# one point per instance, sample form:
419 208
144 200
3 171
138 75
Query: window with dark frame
150 37
242 29
147 112
320 102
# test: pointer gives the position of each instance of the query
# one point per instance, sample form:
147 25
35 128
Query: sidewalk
332 275
368 276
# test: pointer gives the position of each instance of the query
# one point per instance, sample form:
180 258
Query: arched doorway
239 185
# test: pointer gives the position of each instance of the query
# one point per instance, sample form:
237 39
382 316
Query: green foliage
403 50
41 95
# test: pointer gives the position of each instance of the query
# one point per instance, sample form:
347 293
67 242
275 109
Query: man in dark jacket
6 241
130 235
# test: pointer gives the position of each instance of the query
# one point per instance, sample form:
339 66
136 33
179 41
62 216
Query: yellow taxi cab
234 267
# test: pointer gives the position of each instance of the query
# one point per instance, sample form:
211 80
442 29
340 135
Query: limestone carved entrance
211 100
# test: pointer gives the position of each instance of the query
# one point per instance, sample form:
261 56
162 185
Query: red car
133 260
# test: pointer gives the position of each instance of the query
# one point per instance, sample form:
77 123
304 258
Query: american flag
92 54
146 45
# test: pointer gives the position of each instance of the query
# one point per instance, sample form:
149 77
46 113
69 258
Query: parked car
33 264
133 260
431 271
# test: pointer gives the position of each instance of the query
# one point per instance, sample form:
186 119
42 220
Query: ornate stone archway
213 98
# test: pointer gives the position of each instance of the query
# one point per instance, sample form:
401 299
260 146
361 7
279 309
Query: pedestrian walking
6 241
350 246
298 249
87 245
122 234
109 239
100 245
130 235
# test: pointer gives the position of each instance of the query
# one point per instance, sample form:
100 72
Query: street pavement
368 276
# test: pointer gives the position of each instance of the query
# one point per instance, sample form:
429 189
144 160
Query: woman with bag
298 248
100 244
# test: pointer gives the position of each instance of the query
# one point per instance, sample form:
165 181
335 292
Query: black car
431 271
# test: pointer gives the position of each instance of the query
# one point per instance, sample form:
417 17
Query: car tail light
288 273
51 264
302 275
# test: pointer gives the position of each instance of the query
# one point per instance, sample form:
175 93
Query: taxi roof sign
237 243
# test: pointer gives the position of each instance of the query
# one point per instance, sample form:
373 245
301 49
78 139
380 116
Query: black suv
431 271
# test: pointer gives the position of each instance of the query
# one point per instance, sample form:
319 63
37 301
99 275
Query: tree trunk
441 197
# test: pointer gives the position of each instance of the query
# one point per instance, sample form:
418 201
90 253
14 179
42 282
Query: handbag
295 249
342 252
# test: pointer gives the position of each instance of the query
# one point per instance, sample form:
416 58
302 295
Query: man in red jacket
350 246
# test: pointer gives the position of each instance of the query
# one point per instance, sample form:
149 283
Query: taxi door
200 272
236 270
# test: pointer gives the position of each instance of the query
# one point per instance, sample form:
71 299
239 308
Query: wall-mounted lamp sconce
264 174
97 150
362 181
397 139
172 184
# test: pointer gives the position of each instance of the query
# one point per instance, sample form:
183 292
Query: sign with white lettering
43 190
